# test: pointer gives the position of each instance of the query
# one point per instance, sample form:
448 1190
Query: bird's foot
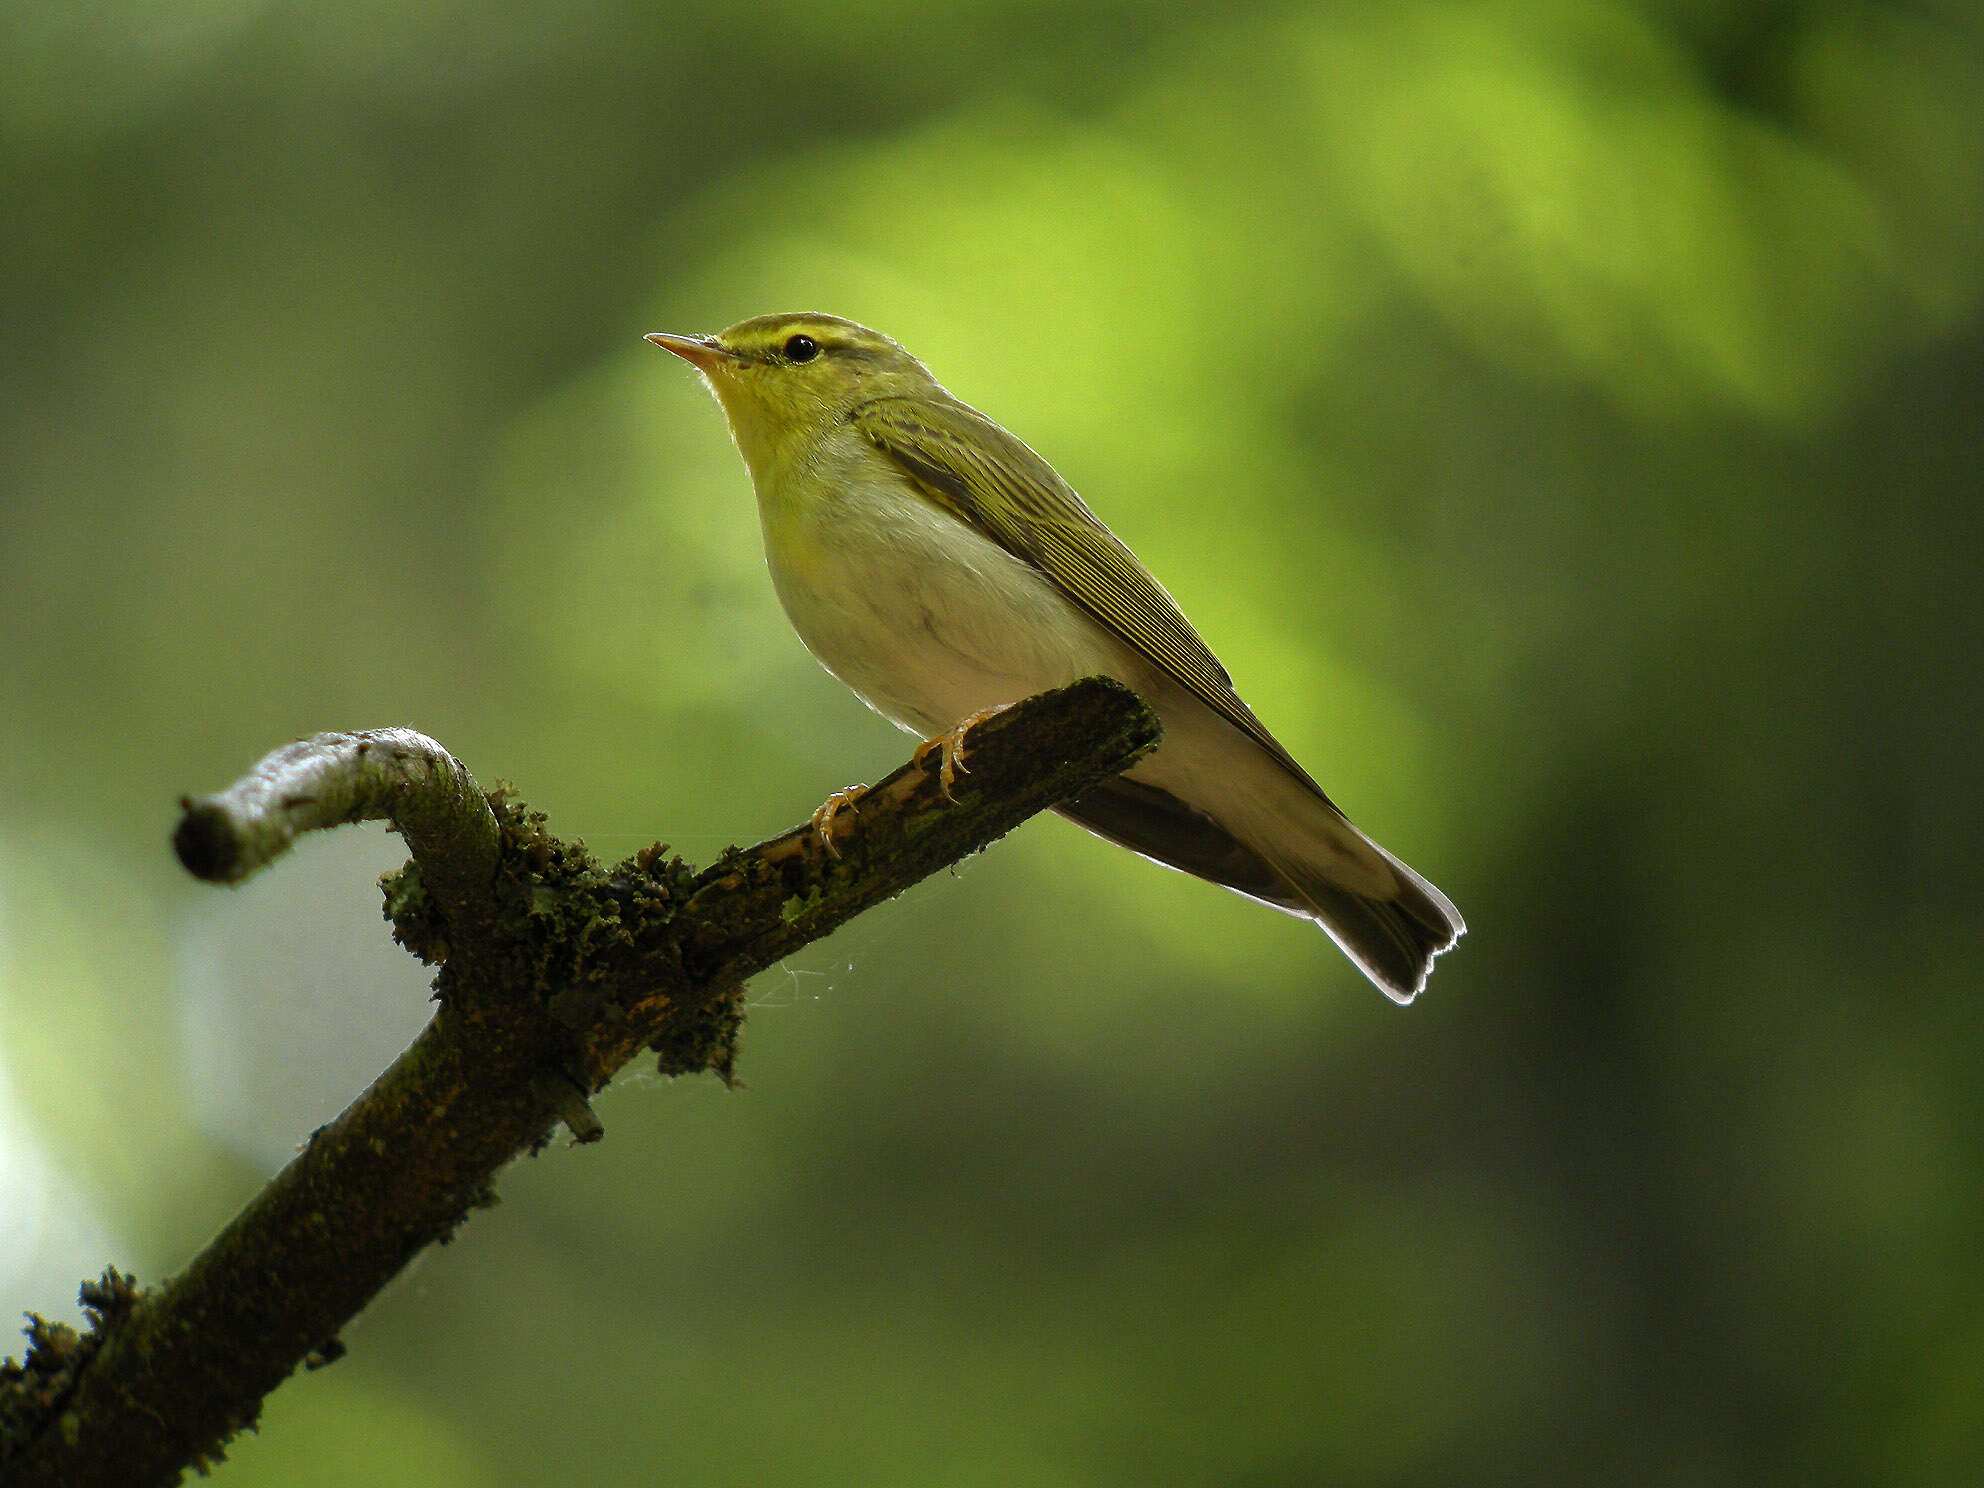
833 806
951 745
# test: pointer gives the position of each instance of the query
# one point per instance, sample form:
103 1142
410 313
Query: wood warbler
941 569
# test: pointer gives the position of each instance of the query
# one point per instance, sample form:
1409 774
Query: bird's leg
833 806
952 746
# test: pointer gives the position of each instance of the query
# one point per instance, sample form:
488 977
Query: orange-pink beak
704 352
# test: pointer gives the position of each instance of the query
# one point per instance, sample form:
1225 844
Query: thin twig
328 780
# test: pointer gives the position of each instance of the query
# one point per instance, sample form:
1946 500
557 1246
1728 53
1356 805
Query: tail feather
1392 937
1393 940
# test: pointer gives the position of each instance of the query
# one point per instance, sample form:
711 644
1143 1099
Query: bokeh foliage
1562 416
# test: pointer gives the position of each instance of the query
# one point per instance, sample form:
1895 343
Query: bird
941 569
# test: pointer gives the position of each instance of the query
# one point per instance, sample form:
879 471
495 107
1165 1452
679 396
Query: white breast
925 619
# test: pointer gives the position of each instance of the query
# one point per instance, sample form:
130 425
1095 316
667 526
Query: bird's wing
993 482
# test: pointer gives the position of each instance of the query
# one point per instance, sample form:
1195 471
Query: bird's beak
704 352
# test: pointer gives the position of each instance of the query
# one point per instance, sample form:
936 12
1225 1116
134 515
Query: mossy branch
554 973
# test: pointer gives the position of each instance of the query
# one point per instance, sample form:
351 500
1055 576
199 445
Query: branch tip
206 843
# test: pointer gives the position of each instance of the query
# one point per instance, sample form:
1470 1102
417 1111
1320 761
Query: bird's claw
833 806
951 748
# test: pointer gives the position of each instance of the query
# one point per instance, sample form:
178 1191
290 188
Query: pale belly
924 619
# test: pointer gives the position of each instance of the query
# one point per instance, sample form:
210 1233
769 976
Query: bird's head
786 380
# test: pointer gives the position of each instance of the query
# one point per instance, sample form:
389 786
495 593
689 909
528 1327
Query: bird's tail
1393 937
1386 918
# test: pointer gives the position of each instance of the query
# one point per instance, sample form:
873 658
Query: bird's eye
801 349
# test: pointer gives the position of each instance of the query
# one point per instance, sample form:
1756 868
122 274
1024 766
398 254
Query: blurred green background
1563 416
